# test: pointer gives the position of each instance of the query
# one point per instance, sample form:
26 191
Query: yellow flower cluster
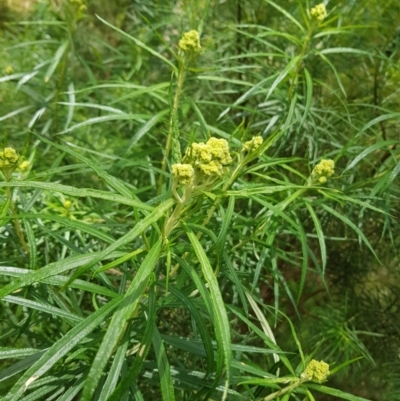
319 12
9 159
67 204
323 170
210 157
9 70
78 7
190 42
184 173
253 144
24 166
316 371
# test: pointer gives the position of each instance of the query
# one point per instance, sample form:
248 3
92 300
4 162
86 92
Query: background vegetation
104 296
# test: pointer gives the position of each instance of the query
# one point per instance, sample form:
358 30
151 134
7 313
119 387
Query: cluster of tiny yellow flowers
78 3
24 166
253 144
319 12
183 173
79 7
323 170
9 159
9 70
210 157
317 371
205 160
190 42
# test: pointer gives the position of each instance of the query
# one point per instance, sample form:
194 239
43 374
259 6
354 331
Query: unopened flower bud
319 12
253 144
183 173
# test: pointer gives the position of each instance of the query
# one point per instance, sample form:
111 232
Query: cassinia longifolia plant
173 201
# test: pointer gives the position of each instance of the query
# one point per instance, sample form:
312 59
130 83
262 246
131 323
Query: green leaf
117 325
60 281
286 14
139 228
140 44
73 225
309 96
141 355
59 349
79 192
116 367
220 318
200 324
164 371
49 270
114 182
344 364
51 310
320 235
370 149
349 223
56 60
11 353
335 392
145 129
282 75
72 390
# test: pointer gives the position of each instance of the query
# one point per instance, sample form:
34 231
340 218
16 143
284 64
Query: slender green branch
17 225
284 390
174 113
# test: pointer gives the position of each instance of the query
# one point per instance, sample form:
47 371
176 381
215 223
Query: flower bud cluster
9 160
323 170
24 166
184 173
317 371
253 144
203 160
190 42
79 6
319 12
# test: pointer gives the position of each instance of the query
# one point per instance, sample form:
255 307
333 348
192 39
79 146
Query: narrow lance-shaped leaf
320 235
166 383
221 322
49 270
117 325
60 349
129 237
134 370
139 43
78 192
114 182
56 60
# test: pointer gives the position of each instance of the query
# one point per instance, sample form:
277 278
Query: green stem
303 52
284 390
211 211
169 226
174 112
17 225
217 201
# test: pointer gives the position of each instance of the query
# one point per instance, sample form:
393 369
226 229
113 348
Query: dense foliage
199 199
